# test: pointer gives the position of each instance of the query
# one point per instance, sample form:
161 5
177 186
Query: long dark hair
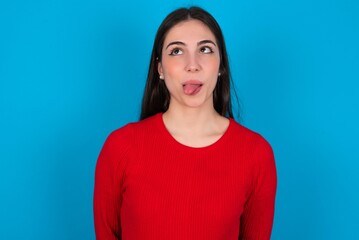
156 97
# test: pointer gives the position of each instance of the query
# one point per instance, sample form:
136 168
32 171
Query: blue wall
73 71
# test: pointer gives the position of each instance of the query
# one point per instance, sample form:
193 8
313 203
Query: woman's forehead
189 31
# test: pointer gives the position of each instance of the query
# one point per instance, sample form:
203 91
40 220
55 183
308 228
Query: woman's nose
193 64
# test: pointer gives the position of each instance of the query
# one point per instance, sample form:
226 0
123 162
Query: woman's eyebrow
206 41
176 43
182 43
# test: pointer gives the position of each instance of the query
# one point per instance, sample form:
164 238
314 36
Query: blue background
73 71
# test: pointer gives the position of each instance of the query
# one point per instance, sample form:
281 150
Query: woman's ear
160 70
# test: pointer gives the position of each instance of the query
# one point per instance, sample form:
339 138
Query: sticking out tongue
191 89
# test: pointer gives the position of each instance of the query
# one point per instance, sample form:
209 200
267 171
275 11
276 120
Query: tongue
191 89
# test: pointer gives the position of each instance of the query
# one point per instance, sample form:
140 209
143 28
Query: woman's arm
257 217
108 186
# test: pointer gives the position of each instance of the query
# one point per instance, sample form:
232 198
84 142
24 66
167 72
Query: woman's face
190 64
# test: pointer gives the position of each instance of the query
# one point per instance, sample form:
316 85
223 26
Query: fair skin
190 67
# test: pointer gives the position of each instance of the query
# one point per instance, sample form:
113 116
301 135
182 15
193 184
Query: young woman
186 170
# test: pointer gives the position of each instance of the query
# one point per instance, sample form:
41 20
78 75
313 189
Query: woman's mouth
192 87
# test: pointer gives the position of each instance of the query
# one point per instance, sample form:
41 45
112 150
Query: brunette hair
156 97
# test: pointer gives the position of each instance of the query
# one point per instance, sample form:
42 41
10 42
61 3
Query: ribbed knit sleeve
109 175
257 217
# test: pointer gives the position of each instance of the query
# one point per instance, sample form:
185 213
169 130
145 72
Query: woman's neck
190 118
195 127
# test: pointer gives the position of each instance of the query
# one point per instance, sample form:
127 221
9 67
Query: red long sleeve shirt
148 186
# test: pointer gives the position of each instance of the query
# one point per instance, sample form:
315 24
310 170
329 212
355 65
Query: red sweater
148 186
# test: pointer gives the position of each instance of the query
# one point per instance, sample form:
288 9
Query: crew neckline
173 142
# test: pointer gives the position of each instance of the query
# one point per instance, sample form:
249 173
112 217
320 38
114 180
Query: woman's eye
176 51
206 50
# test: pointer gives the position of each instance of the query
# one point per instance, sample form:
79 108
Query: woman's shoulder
255 145
249 136
133 129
